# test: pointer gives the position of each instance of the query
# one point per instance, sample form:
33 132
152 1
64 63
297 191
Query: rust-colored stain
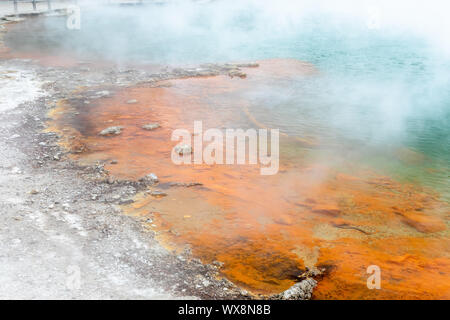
266 229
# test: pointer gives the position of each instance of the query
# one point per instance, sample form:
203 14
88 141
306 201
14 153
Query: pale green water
379 90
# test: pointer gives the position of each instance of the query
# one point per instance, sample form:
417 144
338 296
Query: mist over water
384 68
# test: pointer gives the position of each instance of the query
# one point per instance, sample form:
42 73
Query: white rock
151 126
183 149
111 131
300 291
151 178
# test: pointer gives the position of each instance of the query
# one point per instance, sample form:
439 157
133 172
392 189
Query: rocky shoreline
58 214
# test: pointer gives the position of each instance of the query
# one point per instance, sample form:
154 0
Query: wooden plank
33 2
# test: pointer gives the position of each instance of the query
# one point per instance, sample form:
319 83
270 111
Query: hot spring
372 186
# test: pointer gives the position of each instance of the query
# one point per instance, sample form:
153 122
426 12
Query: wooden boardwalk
33 2
10 7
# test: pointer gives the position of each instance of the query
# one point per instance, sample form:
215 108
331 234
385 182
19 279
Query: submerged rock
116 130
126 201
284 219
330 210
151 126
157 193
187 185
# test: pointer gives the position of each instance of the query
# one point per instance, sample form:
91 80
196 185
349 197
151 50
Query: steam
267 18
384 64
225 29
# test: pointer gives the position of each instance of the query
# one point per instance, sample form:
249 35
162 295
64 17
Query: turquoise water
380 91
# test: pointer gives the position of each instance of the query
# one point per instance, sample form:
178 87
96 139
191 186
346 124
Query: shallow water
372 186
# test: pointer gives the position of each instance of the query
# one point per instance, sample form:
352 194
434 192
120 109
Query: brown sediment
411 268
265 229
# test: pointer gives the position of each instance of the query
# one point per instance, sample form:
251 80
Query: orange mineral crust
267 230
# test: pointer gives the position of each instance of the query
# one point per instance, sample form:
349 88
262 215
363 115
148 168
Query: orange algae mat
266 229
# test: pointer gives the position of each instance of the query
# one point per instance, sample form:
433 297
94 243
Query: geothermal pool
364 155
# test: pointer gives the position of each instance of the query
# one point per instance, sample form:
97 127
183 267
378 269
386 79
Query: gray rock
151 126
157 194
183 149
299 291
187 185
150 179
237 73
13 19
16 170
218 264
102 94
206 283
207 73
116 130
126 201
